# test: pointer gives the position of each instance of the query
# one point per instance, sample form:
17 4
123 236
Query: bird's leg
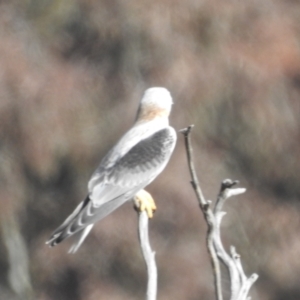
143 201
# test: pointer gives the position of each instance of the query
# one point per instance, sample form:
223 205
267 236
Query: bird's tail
62 232
81 238
83 219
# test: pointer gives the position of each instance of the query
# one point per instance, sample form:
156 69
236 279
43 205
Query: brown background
71 76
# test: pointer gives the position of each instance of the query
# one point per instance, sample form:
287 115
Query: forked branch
239 283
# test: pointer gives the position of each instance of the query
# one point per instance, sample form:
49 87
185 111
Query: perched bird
135 161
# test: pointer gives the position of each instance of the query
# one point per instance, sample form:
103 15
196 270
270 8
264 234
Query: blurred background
71 75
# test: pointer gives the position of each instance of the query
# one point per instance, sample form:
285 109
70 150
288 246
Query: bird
133 163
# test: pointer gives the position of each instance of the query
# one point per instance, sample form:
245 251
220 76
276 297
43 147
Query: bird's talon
144 202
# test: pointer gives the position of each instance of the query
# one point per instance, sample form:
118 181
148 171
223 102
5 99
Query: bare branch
195 182
207 213
240 284
149 256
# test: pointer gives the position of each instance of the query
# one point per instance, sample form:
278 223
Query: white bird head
156 103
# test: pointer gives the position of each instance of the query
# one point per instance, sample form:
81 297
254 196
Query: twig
207 213
149 256
240 284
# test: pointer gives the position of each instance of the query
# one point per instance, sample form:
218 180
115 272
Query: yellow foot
143 201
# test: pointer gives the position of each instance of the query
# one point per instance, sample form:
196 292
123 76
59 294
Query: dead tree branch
207 213
149 256
240 284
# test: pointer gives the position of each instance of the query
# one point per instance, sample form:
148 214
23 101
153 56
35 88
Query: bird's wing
131 138
138 167
113 186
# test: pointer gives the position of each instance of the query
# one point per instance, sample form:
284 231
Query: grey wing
137 168
111 187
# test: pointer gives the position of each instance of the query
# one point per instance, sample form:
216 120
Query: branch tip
254 277
186 131
228 183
